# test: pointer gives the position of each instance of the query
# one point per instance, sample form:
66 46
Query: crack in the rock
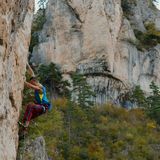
74 11
109 75
11 98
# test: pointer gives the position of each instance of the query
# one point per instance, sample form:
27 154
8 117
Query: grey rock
15 29
92 35
33 150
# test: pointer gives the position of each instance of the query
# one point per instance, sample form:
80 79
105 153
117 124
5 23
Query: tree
82 92
154 103
51 76
138 97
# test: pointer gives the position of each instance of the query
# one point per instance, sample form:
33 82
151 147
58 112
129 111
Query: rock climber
41 104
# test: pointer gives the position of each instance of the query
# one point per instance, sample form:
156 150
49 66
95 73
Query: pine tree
51 77
138 97
82 92
154 103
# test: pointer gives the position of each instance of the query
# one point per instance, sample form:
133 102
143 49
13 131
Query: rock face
34 150
96 37
15 26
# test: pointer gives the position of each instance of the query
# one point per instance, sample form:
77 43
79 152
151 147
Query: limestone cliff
98 38
33 150
15 25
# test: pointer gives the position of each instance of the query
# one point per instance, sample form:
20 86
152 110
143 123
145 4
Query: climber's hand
35 87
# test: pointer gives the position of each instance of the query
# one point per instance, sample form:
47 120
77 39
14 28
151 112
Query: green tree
154 102
138 97
51 77
82 92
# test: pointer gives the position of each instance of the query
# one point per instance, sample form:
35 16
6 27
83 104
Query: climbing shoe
23 125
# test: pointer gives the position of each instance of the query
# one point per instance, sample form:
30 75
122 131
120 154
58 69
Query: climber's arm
33 86
30 71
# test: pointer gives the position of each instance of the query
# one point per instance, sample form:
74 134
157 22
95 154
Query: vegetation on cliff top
148 39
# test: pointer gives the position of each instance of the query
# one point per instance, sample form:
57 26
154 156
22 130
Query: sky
36 5
158 5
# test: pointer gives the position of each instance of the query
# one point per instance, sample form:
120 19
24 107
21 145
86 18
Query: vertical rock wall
82 35
34 150
79 30
15 26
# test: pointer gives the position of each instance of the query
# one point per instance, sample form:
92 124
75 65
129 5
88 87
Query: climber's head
33 80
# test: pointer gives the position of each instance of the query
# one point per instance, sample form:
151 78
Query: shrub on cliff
127 7
148 39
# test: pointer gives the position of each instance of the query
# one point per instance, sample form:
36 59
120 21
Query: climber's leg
32 111
27 112
37 110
